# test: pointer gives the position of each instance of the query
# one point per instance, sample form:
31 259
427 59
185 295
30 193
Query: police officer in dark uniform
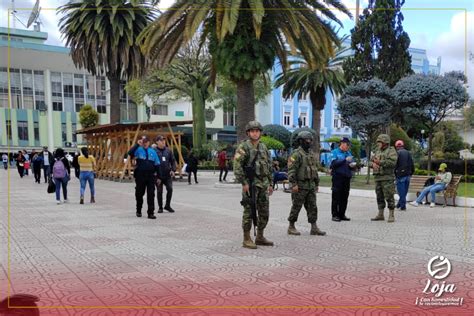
145 173
167 170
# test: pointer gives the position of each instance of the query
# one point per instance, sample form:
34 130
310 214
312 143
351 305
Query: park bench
417 184
284 183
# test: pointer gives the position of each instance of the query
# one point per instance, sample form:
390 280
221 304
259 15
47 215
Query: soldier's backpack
59 170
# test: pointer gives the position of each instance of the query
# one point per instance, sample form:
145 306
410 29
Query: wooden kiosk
110 143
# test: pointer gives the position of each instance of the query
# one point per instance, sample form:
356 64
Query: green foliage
451 155
88 116
208 165
469 115
279 133
422 172
439 142
397 133
272 143
454 142
379 33
295 133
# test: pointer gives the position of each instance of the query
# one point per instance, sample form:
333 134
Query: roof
144 126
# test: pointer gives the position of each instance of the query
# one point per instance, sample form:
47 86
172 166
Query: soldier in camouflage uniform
303 176
383 163
245 154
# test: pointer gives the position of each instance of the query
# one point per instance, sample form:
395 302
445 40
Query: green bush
272 143
88 116
279 133
449 155
397 133
295 133
422 172
208 165
455 166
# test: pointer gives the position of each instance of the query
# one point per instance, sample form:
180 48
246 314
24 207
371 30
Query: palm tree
102 37
314 80
245 37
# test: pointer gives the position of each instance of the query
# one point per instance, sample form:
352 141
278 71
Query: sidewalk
102 260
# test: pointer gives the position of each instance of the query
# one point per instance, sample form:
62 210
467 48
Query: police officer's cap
253 125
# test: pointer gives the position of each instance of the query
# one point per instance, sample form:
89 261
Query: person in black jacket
192 167
167 170
341 170
404 169
48 161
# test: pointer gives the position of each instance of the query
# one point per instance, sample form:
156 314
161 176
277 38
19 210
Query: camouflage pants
385 190
262 210
308 199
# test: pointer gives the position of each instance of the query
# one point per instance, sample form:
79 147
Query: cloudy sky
443 28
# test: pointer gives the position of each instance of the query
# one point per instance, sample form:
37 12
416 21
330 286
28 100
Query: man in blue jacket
341 170
146 170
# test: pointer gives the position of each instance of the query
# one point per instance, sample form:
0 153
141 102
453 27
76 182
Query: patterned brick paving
75 257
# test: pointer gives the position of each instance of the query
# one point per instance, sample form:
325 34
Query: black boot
139 213
151 214
160 202
169 194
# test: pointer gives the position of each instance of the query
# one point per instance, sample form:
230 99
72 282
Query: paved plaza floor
100 259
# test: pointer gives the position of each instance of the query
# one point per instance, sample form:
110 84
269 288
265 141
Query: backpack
59 170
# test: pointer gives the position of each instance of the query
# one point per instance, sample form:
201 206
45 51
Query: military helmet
304 135
383 138
253 125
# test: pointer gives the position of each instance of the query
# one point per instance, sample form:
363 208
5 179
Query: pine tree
380 45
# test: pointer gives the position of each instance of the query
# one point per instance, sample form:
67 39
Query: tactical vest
262 164
308 169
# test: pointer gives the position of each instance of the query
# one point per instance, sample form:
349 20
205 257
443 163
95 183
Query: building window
27 83
22 130
4 88
101 108
304 119
286 118
56 89
78 91
90 89
179 113
9 129
337 121
302 97
15 85
68 90
74 129
37 131
100 94
64 132
57 106
229 118
160 109
79 107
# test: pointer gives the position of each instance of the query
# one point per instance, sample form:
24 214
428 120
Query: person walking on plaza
167 170
192 167
304 180
48 161
404 169
145 174
61 174
342 164
222 162
442 179
5 161
87 166
20 164
37 161
27 162
252 166
383 164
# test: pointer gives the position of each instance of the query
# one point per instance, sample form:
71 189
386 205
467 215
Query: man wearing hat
252 158
342 164
146 170
304 179
442 179
167 170
404 169
383 162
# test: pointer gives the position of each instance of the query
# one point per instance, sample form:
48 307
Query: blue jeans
61 182
402 188
84 177
431 189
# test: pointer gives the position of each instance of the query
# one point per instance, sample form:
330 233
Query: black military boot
160 202
168 202
139 213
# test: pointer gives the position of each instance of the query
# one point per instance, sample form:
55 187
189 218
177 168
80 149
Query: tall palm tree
102 37
245 37
315 80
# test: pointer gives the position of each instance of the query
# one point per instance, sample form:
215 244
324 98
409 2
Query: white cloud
451 45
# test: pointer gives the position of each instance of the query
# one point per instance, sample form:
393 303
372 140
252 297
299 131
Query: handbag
51 186
184 169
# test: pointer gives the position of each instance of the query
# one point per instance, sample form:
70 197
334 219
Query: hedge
455 166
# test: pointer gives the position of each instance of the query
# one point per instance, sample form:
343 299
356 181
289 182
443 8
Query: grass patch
359 182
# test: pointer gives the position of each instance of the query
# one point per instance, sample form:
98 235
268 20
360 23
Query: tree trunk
114 100
199 122
245 107
430 149
318 101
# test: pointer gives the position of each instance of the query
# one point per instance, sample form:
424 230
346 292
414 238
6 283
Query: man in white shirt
47 162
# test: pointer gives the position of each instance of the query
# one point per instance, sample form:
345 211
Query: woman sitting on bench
442 180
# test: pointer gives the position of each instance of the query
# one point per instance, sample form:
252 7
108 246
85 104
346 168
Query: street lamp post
422 139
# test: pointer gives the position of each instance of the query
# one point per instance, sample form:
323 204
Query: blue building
286 112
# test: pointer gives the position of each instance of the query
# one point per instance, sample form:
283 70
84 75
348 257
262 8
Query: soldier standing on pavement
304 179
383 163
253 153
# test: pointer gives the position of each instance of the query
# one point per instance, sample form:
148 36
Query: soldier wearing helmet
404 169
383 162
303 176
253 154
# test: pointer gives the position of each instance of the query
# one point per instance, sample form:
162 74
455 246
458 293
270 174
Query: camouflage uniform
245 154
303 172
385 178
